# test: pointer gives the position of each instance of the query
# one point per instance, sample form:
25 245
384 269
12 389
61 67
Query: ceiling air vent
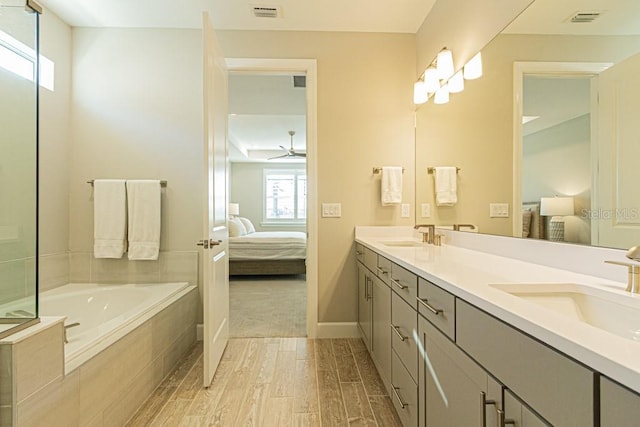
584 17
299 81
266 11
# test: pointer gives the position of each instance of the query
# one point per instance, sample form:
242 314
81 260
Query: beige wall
475 130
246 187
365 119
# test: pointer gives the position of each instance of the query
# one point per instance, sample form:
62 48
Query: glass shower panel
18 163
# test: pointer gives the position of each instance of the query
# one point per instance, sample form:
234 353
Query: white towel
391 186
446 185
109 218
143 201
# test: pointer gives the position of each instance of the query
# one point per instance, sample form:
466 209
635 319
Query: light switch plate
425 210
498 210
331 210
405 210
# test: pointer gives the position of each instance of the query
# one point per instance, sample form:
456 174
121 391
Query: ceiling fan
291 152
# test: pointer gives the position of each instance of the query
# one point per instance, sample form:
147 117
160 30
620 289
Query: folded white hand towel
143 201
109 218
446 185
391 186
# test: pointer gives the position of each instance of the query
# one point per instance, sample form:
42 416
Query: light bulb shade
445 64
556 206
431 80
456 83
234 209
442 95
473 68
420 94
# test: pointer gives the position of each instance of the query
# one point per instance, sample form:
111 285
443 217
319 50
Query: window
285 195
20 59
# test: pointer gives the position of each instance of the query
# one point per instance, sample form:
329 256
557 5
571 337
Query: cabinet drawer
403 323
370 259
404 393
559 389
437 306
383 269
618 405
405 284
359 252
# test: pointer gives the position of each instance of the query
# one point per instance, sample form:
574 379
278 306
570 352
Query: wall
557 161
55 146
246 187
365 119
475 130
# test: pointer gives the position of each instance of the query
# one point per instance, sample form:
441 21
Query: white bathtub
106 313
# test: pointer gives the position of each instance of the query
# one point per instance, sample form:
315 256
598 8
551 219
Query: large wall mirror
18 165
549 135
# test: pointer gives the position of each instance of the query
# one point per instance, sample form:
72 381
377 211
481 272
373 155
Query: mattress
269 245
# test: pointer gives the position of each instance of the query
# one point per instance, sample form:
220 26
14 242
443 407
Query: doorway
272 188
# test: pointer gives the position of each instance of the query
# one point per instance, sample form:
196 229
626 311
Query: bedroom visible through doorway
267 204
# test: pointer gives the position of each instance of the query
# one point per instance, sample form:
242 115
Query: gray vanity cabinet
381 318
517 414
453 390
619 407
364 304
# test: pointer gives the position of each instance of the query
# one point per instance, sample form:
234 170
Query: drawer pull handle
367 286
382 270
502 421
483 408
358 253
398 284
425 302
395 393
397 331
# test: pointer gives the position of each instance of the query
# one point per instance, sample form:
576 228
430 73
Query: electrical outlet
498 210
331 210
425 209
405 210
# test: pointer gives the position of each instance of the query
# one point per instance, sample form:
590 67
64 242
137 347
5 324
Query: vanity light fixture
473 68
420 94
431 80
442 95
444 64
456 83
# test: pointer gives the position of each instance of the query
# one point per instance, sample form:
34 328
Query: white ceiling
395 16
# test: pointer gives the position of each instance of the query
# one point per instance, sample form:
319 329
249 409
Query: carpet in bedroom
269 306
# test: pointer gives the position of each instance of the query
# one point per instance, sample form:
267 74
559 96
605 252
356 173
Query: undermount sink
616 313
402 243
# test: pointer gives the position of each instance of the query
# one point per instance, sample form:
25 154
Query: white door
215 233
617 217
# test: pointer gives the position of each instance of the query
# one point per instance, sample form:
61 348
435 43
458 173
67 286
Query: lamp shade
456 83
442 95
473 68
444 64
234 209
420 95
556 206
431 80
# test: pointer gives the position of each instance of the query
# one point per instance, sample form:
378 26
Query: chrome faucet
457 227
427 236
633 275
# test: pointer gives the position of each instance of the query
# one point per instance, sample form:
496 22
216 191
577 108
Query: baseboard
338 330
199 331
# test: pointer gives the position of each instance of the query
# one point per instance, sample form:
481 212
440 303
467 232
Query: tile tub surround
108 388
467 273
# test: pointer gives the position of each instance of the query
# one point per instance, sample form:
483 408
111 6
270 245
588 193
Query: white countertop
468 274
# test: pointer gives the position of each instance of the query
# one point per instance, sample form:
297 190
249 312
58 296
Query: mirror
18 167
579 80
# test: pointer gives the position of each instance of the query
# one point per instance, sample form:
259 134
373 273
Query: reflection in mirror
577 147
18 175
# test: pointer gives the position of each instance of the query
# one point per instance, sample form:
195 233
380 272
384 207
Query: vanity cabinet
364 304
381 318
453 389
517 414
619 406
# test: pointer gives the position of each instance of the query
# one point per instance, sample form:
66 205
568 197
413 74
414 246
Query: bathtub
105 313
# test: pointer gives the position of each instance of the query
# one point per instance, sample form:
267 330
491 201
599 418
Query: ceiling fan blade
279 157
299 154
285 149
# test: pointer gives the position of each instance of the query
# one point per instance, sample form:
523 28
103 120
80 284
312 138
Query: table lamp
556 208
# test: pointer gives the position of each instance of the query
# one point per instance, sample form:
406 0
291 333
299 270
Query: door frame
309 67
577 69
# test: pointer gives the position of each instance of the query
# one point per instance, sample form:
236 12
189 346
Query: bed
533 224
266 252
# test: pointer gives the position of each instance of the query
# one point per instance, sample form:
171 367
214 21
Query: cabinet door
454 388
619 407
517 414
364 305
381 315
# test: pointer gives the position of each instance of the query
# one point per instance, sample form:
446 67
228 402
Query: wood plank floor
274 382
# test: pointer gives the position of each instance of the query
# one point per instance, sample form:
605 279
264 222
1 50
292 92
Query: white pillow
248 225
236 228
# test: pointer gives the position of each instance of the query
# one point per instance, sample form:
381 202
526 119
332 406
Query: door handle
208 243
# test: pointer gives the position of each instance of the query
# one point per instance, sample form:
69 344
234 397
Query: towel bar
163 183
379 170
430 171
